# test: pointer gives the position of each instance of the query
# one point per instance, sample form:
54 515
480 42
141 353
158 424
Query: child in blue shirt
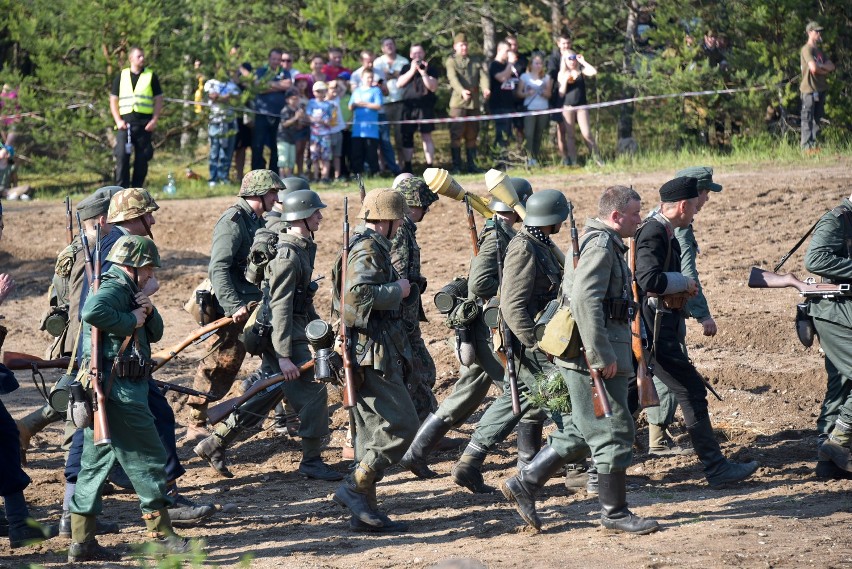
320 112
366 102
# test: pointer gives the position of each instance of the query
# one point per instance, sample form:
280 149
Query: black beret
682 188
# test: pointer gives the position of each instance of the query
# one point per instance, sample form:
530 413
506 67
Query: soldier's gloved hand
152 285
140 315
241 315
288 369
709 326
691 286
406 287
144 302
609 371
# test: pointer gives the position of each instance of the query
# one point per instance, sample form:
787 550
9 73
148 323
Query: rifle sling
847 215
121 350
795 247
73 359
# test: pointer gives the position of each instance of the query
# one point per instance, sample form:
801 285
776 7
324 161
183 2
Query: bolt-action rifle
648 396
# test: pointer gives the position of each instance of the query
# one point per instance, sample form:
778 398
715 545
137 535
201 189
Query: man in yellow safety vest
135 101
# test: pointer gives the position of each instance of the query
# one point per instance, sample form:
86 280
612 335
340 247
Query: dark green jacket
232 239
829 255
110 310
483 280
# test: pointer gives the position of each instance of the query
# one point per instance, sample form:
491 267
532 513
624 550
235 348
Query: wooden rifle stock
648 396
350 396
600 403
219 412
162 357
508 336
20 361
101 426
69 224
471 225
761 278
166 386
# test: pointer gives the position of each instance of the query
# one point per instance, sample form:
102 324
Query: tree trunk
186 112
626 143
489 43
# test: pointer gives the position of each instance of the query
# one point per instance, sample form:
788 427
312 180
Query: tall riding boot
659 443
84 546
416 458
212 449
457 160
614 512
718 470
388 525
34 423
312 465
353 494
836 448
159 527
576 476
23 530
101 527
472 168
529 441
467 472
522 489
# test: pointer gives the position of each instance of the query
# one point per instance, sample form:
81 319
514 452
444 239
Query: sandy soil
772 387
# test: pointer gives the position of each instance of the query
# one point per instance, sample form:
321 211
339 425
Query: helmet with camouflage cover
417 192
301 205
129 204
260 182
383 204
547 207
134 251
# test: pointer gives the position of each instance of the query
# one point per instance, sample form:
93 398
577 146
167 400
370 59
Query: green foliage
551 392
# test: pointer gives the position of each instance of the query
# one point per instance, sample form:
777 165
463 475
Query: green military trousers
135 445
610 440
836 342
475 380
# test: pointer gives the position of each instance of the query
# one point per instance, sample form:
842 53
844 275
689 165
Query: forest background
66 54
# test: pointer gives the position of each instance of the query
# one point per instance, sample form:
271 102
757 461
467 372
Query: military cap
682 188
813 27
260 182
704 175
459 37
97 203
383 204
130 204
417 192
134 251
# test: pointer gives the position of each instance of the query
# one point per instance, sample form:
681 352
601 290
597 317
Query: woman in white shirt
535 87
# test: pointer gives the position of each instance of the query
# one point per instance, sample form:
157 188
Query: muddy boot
719 471
521 490
836 448
212 449
659 443
196 430
416 458
576 477
354 493
34 423
592 484
312 465
467 472
614 512
184 512
529 441
84 546
101 527
457 161
472 168
159 526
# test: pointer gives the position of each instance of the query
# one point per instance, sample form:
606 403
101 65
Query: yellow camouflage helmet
383 204
260 182
130 204
134 251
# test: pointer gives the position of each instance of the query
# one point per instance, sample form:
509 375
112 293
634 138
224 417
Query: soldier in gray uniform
384 416
597 291
829 255
659 418
476 379
405 253
535 276
232 239
288 300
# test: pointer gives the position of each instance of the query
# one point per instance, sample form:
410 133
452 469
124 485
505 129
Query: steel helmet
383 204
134 251
301 205
547 207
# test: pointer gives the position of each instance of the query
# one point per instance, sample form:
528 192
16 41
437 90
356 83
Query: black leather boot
457 161
467 472
212 449
576 476
521 490
416 458
472 168
529 441
719 471
614 512
354 492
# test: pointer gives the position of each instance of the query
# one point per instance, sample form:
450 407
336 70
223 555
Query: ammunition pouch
561 337
132 366
55 321
544 317
804 325
621 309
80 406
202 304
410 309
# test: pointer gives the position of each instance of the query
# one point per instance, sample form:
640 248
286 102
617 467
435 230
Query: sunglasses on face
572 57
286 61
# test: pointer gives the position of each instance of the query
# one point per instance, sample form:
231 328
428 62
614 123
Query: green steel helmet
522 188
300 205
295 183
383 204
547 207
417 192
130 204
498 206
134 251
259 183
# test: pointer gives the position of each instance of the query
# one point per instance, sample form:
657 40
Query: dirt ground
771 385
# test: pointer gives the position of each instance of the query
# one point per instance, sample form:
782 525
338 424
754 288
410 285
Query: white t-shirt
355 80
387 69
533 89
